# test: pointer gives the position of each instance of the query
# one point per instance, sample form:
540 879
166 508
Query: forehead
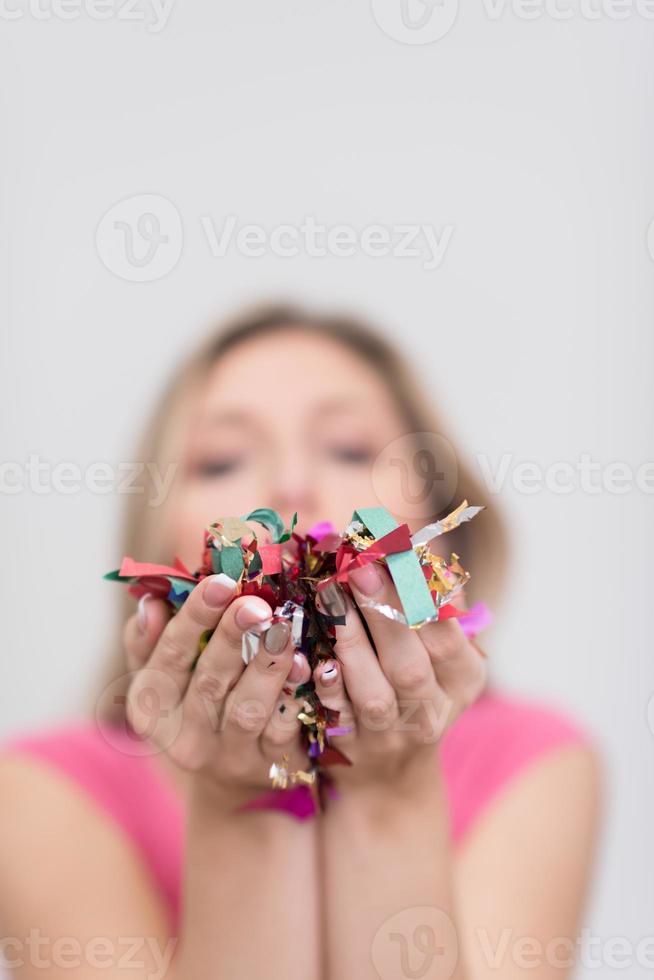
290 371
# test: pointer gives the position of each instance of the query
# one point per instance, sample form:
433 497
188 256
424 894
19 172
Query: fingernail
329 673
367 579
296 671
218 590
250 613
331 599
142 612
276 638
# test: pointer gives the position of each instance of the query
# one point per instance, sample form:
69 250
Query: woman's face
288 421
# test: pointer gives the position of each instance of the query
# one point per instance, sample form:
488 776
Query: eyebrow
337 406
229 417
237 417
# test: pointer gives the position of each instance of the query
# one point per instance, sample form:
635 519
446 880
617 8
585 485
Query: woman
457 850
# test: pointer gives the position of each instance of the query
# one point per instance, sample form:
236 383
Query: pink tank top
488 745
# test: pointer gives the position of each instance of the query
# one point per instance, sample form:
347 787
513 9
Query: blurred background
480 181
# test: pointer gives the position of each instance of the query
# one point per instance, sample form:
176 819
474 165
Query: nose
292 486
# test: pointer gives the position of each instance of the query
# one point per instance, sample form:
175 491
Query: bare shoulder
527 865
555 799
65 866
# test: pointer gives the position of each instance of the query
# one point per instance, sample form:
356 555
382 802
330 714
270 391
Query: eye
351 454
209 468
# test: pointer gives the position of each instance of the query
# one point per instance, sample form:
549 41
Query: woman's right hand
223 720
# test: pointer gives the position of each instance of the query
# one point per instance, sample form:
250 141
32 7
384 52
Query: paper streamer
405 569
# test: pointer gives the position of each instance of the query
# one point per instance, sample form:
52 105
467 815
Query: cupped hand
399 700
221 719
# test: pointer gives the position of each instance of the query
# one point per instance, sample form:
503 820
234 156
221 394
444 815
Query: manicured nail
251 613
276 638
329 673
218 590
296 671
142 612
332 600
367 579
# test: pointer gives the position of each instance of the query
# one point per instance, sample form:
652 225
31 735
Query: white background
532 139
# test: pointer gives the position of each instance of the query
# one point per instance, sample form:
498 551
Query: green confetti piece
270 519
216 560
231 560
404 567
304 690
255 565
286 536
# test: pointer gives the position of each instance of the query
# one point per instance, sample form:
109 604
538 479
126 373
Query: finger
372 696
403 657
281 736
221 663
459 666
143 629
251 702
330 688
166 673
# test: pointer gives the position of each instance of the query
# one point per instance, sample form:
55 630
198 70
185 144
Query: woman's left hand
400 700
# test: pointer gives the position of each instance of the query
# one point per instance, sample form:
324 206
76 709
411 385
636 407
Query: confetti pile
303 579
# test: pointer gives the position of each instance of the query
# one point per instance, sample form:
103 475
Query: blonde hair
483 544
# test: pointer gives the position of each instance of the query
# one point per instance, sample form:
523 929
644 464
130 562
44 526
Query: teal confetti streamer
404 567
269 519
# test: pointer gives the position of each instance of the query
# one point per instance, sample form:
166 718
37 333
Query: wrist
215 811
415 787
213 800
